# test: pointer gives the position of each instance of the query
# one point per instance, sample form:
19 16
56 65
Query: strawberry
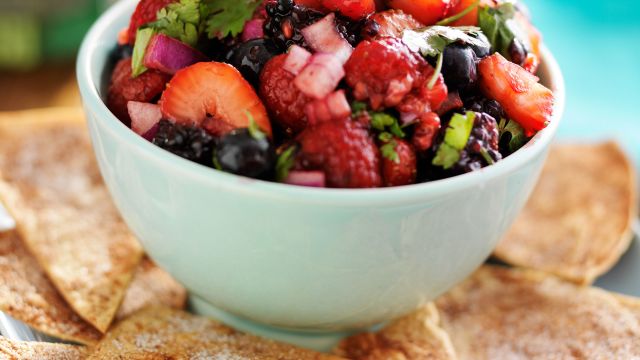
470 19
284 101
344 151
427 12
425 131
124 88
354 9
524 100
145 12
392 23
403 170
213 90
312 4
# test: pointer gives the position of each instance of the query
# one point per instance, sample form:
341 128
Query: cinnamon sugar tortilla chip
501 313
417 336
27 350
578 220
27 295
151 286
164 333
51 185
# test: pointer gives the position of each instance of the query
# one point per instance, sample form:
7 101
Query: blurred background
595 41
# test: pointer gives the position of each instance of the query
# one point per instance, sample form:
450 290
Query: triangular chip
417 336
51 185
27 295
501 313
578 220
26 350
163 333
151 286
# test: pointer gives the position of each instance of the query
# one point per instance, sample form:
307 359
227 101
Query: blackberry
285 20
189 142
481 104
482 147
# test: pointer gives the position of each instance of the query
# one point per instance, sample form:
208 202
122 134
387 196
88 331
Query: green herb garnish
436 72
388 148
285 162
384 122
455 139
254 130
227 17
143 36
512 134
431 40
501 28
180 21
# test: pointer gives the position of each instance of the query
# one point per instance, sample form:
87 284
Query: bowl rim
322 196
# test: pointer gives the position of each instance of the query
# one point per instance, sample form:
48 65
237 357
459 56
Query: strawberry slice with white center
524 100
213 91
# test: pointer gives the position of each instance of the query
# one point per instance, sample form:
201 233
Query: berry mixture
332 93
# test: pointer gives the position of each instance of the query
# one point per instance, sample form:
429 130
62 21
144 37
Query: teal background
597 43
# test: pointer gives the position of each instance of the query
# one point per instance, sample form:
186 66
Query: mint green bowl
314 262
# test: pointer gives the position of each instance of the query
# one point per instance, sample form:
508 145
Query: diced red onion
334 107
307 178
151 133
296 60
144 116
321 76
253 29
169 55
407 118
323 36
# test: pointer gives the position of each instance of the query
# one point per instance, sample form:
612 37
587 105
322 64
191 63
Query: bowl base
319 341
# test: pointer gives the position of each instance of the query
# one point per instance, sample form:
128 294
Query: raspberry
123 88
404 170
383 71
425 131
283 100
344 151
189 142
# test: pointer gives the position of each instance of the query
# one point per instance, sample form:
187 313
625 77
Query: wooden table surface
49 86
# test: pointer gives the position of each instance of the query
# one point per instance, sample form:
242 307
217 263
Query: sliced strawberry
213 90
535 38
312 4
524 100
354 9
392 23
427 12
145 12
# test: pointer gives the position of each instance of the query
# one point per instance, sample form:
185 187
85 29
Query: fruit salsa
332 93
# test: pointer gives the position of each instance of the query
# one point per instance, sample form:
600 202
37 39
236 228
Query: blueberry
459 67
243 154
249 57
517 52
121 52
483 50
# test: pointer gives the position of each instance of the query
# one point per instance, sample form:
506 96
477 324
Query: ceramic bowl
305 260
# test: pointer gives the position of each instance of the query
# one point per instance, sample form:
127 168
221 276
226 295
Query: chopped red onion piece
323 36
306 178
169 55
253 29
144 116
321 76
297 59
334 107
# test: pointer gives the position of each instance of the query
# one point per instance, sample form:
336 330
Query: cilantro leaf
512 134
285 162
455 139
501 28
227 17
431 40
254 130
180 21
388 149
143 36
382 121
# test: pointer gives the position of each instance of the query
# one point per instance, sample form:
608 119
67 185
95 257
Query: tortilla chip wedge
502 313
151 286
417 336
51 185
164 333
27 295
578 221
25 350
